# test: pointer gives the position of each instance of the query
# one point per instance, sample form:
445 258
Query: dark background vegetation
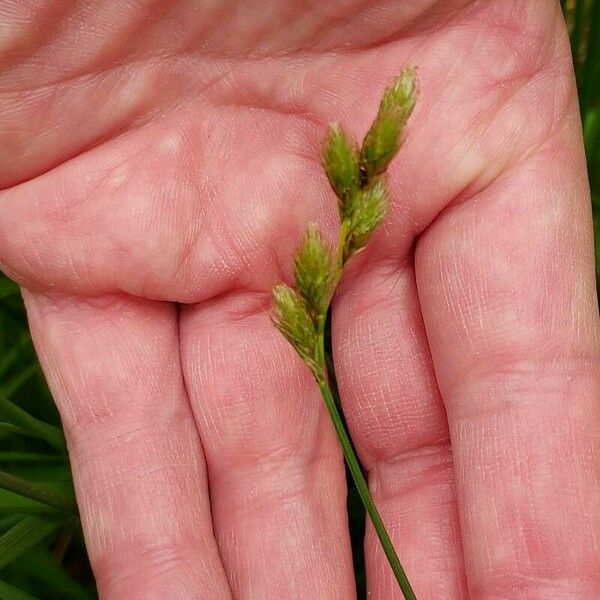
42 554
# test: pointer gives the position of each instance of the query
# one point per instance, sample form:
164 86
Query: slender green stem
37 491
588 81
15 415
340 429
23 536
363 490
576 31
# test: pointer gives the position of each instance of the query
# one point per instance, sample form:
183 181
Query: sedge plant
357 176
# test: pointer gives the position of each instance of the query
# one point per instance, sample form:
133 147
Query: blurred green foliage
42 554
583 19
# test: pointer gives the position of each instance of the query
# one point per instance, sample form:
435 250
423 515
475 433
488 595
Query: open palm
159 162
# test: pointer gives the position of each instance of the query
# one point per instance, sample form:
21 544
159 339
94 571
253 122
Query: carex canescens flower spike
293 320
384 138
341 164
358 179
369 210
315 272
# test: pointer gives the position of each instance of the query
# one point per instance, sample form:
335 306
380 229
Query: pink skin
169 151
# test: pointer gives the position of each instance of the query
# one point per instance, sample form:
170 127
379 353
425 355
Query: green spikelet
315 272
369 210
384 139
291 317
340 161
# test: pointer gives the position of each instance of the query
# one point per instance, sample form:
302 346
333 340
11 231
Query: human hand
156 154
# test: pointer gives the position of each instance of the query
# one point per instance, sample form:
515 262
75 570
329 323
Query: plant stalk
363 489
15 415
37 491
340 429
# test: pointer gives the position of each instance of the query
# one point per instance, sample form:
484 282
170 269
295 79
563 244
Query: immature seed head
369 210
357 179
384 139
340 160
315 270
291 317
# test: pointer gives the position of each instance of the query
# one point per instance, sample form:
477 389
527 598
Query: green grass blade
56 474
9 388
591 129
18 417
27 533
576 31
597 245
42 492
10 428
11 503
591 136
15 315
8 521
25 457
588 84
43 567
8 287
7 592
11 356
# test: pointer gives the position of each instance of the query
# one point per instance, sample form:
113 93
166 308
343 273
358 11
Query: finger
275 470
113 367
507 287
398 425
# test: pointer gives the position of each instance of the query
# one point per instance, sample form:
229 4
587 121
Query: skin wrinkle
190 47
412 471
33 30
442 575
161 561
235 397
370 346
134 121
